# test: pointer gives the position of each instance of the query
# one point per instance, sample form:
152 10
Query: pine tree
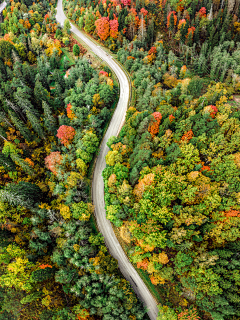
25 104
101 9
3 72
15 57
171 23
40 93
150 33
35 124
111 17
196 35
7 163
23 164
29 74
24 194
25 132
186 26
190 39
3 133
182 34
15 108
3 118
49 120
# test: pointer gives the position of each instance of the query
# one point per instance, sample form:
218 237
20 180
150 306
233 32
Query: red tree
66 134
152 50
102 26
126 2
144 12
104 73
53 161
114 28
154 125
202 12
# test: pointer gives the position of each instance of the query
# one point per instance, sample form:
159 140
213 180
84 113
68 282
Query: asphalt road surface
2 6
98 186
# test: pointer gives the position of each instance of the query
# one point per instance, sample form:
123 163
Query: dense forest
172 182
54 108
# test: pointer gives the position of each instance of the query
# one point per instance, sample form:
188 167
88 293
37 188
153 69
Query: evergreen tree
186 26
182 34
111 17
3 133
20 126
3 72
29 74
3 118
196 36
40 93
190 39
24 194
150 33
16 57
23 164
101 9
49 120
7 163
35 124
171 23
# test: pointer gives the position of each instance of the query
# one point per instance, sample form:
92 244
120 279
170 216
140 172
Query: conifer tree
24 194
40 93
196 36
7 163
23 164
3 133
182 34
3 72
3 118
20 126
35 124
49 120
171 23
150 33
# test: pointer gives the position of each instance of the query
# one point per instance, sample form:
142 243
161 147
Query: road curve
98 186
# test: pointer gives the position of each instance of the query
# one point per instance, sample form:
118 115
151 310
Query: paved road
2 6
98 187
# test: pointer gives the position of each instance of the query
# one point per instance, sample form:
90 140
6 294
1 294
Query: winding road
98 186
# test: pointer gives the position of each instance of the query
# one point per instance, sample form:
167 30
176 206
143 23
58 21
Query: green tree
5 50
35 124
76 50
67 26
90 23
49 120
20 125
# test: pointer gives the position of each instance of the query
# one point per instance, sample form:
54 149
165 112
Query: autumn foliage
154 125
187 136
174 16
70 113
114 28
53 161
66 134
102 27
